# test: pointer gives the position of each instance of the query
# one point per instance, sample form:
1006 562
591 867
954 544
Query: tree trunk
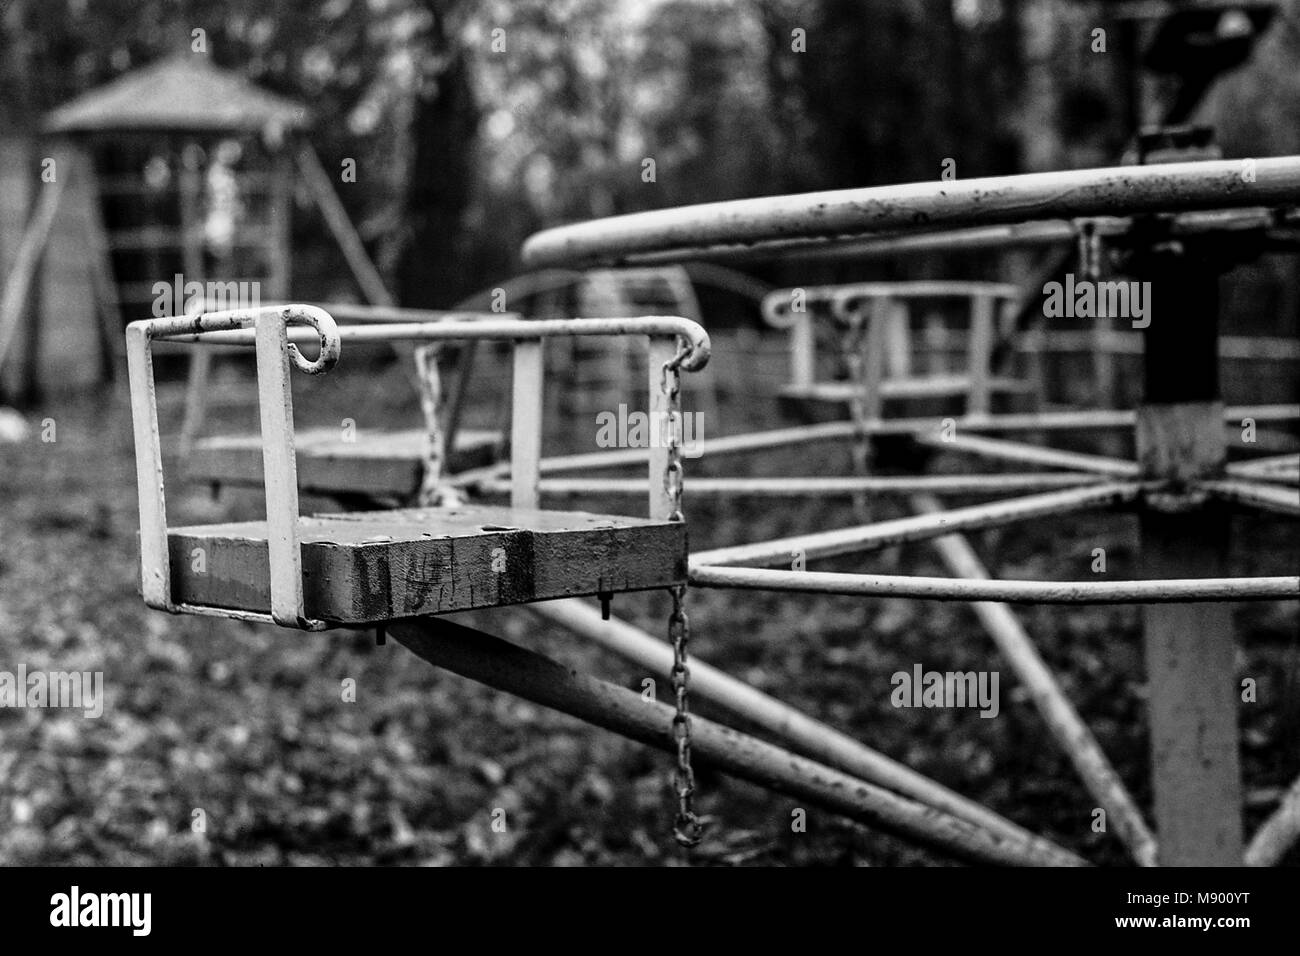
444 127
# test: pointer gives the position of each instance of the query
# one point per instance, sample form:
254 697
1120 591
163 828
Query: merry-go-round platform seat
376 566
368 568
873 323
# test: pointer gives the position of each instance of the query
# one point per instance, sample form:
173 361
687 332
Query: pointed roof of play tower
184 93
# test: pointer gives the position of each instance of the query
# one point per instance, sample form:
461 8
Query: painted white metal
155 572
980 351
1032 454
274 355
664 414
1009 591
526 425
851 213
883 534
280 471
1265 497
500 329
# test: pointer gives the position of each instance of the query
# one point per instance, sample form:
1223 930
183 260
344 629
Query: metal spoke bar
1274 468
817 487
1017 235
1278 833
1267 497
838 431
884 534
533 677
1062 720
793 728
627 457
1032 454
1013 592
1124 190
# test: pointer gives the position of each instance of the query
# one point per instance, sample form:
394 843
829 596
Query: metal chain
1089 249
434 491
687 828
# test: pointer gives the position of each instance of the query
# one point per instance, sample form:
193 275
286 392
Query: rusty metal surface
858 213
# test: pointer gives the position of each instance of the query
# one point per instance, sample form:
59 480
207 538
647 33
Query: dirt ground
243 728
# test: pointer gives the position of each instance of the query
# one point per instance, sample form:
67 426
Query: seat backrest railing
674 343
197 384
876 317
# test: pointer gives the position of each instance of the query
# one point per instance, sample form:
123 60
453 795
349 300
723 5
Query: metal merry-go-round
1177 225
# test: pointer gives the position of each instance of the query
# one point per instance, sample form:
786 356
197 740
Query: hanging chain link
687 828
434 491
1089 252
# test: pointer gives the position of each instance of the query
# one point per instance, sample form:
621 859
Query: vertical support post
196 397
191 191
526 425
196 389
277 236
899 337
937 342
1103 363
24 274
979 354
1029 364
660 350
1190 650
873 359
34 388
101 271
803 350
155 567
280 466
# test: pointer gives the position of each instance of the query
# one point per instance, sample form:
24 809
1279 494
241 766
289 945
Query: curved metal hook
697 349
777 308
331 345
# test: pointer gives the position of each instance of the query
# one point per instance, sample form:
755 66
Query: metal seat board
371 567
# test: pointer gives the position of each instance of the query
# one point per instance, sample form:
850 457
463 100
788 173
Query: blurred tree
474 122
888 89
441 176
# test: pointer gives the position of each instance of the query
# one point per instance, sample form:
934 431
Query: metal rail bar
790 727
1284 501
539 679
504 329
1005 591
885 534
777 303
817 487
1049 232
1062 720
1267 469
1032 454
1262 348
364 314
1278 833
1123 190
838 431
